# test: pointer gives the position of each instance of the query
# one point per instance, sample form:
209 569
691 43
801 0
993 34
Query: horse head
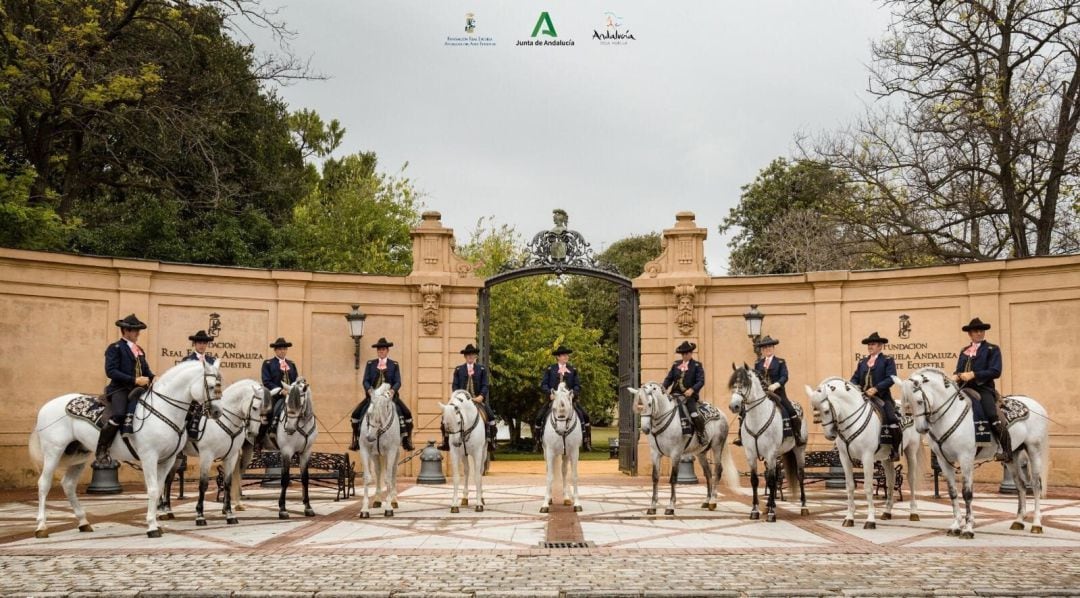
562 402
205 386
923 393
380 412
297 404
823 400
452 417
648 401
744 386
254 411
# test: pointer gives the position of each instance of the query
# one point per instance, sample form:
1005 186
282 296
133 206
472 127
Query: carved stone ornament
429 313
684 315
559 248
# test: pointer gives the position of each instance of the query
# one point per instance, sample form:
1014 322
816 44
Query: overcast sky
622 137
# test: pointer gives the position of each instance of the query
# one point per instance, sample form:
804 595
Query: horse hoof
755 515
848 523
455 509
1036 529
771 518
914 517
804 511
704 505
388 513
577 508
376 504
952 532
365 515
870 525
886 516
650 511
41 534
393 504
669 511
200 522
967 535
86 528
282 514
567 502
544 509
232 521
464 502
309 512
479 508
1016 526
154 533
712 507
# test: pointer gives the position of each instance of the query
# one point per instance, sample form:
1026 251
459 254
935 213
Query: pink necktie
470 369
202 357
972 350
873 358
768 360
135 350
382 364
284 366
684 366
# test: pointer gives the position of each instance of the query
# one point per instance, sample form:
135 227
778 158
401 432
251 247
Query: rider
275 371
129 376
200 340
563 372
774 373
473 377
874 375
687 377
382 370
977 368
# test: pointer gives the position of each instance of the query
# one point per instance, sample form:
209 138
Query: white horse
660 422
562 443
465 428
944 412
222 439
763 438
848 419
296 434
61 440
380 444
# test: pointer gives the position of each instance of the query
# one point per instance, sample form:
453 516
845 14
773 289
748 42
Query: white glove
275 392
774 386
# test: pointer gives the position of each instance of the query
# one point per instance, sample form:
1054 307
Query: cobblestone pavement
425 550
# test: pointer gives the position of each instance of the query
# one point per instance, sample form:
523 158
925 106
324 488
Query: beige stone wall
820 319
57 313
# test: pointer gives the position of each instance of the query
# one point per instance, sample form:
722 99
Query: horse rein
745 408
176 404
927 414
465 433
570 426
382 429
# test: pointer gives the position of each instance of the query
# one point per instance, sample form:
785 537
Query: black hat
976 324
200 337
766 341
874 338
280 343
130 323
562 350
686 347
470 350
383 343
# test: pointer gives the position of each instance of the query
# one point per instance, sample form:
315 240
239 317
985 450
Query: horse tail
36 456
791 470
730 474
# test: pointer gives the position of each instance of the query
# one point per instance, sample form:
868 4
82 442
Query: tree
974 155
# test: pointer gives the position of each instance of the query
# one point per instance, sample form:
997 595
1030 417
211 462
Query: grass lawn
600 438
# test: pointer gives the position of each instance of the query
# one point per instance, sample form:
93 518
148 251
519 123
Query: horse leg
912 454
1035 466
227 509
950 479
1013 469
286 463
675 458
466 467
868 489
574 480
481 463
890 483
771 473
69 483
849 489
380 474
391 484
564 465
204 483
801 475
455 465
165 502
549 458
153 474
969 491
754 512
304 479
655 483
368 464
704 461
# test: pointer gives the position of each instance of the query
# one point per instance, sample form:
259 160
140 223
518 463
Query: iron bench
825 465
329 470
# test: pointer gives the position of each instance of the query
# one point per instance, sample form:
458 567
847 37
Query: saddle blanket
88 408
1011 409
707 412
788 432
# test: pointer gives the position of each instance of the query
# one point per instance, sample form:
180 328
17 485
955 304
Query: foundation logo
214 328
614 32
905 326
543 29
471 38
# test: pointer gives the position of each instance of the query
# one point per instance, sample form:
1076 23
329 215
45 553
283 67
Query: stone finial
683 250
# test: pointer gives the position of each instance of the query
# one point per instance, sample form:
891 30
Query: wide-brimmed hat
383 343
875 338
686 347
280 343
470 350
562 350
200 337
976 324
130 322
766 341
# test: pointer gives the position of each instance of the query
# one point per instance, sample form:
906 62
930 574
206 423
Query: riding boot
105 440
894 436
796 429
1002 433
738 432
406 436
445 444
355 445
586 438
699 427
538 437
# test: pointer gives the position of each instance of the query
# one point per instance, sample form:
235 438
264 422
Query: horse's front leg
655 483
286 463
153 474
968 471
165 502
369 464
390 473
549 458
772 471
950 479
478 465
204 483
676 457
467 466
868 489
305 477
849 488
912 454
229 464
890 485
456 466
564 465
574 480
754 512
800 461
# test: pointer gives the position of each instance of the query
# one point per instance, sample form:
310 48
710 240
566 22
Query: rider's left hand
688 392
478 398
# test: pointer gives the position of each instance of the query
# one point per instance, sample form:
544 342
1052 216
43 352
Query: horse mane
294 391
177 370
461 392
740 377
943 373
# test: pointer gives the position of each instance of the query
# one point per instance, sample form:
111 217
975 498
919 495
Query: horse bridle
572 420
838 424
382 429
924 403
213 393
465 433
744 408
663 420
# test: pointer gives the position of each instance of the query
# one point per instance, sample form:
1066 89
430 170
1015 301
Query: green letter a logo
545 22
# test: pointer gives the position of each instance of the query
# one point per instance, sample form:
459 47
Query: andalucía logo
471 38
613 33
544 27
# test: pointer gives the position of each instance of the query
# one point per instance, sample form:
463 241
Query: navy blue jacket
880 375
986 365
777 372
694 378
551 380
391 375
272 374
120 367
479 379
209 358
